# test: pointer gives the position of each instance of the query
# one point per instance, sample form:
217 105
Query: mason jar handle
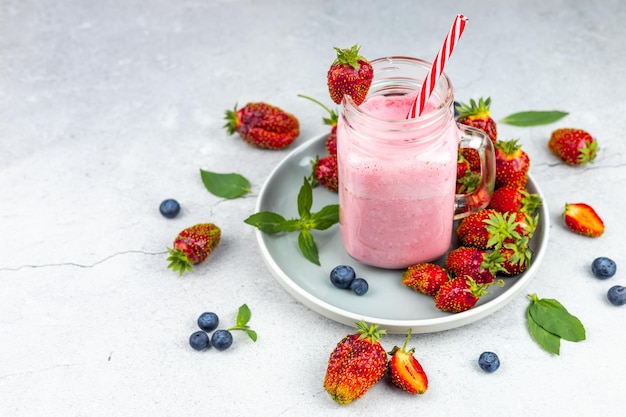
466 204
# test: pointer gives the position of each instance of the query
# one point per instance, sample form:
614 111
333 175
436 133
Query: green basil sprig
549 322
269 222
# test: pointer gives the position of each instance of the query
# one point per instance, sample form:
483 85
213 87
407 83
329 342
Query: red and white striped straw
440 62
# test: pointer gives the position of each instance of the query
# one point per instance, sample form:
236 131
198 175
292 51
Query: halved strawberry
581 218
405 371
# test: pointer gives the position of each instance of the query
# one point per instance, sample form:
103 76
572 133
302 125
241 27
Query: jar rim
390 64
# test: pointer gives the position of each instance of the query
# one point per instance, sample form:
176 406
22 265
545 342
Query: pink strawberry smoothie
396 211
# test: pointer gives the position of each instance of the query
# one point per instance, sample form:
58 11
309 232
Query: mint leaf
305 199
326 217
225 185
307 246
243 317
533 118
544 338
268 222
552 316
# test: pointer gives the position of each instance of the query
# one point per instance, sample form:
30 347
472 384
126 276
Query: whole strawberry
263 125
573 146
472 230
516 257
477 115
192 246
325 172
461 294
478 264
425 277
405 371
512 164
331 120
581 218
349 74
510 198
356 364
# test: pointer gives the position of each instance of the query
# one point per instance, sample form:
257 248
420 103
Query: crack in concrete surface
78 265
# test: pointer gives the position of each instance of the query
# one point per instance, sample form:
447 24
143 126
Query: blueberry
221 339
489 361
169 208
199 340
603 267
208 321
342 276
359 286
617 295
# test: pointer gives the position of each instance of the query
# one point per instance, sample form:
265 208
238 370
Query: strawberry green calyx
178 261
530 202
478 290
474 109
369 331
349 56
501 226
232 120
509 147
587 154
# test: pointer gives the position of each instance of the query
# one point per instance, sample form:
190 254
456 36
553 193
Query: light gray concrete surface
109 107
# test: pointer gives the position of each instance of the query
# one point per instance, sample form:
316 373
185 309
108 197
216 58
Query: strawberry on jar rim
192 246
263 125
575 147
350 74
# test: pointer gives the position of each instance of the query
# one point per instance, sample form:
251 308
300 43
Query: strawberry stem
406 341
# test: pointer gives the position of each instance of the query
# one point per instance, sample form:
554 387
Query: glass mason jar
397 176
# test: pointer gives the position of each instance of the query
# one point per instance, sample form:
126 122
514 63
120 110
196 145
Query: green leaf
326 217
305 199
243 315
533 118
307 246
553 317
544 338
269 222
225 185
251 334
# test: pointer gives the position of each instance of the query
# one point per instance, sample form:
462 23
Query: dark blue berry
456 111
359 286
169 208
221 339
617 295
603 267
342 276
488 361
199 340
208 321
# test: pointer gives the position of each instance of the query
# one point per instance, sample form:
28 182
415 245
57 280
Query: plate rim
429 325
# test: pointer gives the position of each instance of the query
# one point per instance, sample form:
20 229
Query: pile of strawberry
492 241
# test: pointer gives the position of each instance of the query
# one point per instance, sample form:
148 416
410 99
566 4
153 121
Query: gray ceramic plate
388 302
